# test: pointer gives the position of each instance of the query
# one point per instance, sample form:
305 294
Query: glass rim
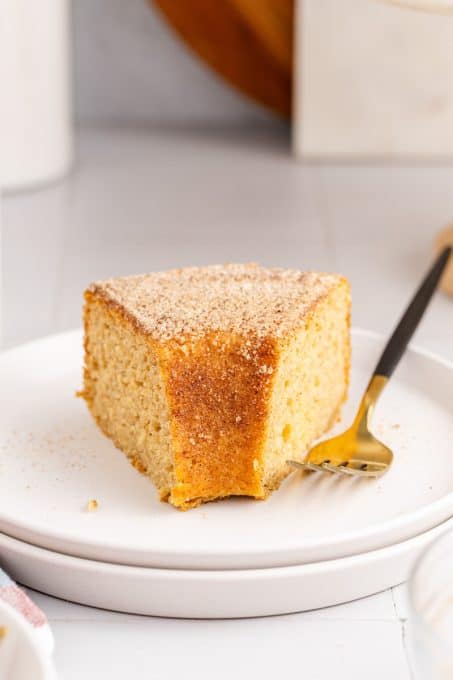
415 612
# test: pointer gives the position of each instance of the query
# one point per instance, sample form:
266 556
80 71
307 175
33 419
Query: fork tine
350 471
359 463
305 466
371 469
353 469
313 466
359 472
337 469
296 464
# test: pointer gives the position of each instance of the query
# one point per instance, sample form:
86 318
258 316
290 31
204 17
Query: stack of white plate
320 540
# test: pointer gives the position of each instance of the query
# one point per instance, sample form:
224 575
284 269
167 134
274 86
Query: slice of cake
210 379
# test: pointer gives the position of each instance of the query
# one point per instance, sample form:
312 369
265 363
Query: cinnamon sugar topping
236 298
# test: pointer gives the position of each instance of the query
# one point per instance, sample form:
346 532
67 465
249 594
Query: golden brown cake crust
218 333
218 399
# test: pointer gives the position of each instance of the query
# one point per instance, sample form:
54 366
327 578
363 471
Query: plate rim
208 594
442 508
216 574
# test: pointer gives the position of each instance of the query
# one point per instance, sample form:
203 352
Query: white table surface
151 199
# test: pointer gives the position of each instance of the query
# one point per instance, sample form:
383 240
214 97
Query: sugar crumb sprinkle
243 298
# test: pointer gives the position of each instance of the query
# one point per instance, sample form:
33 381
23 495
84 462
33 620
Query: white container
374 79
22 654
35 109
431 611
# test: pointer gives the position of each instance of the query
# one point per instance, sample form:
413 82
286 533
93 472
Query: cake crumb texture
210 378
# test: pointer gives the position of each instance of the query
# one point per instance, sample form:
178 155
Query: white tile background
340 641
141 200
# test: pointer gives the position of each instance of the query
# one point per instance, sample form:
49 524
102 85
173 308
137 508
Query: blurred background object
425 5
249 42
35 131
373 79
431 610
130 68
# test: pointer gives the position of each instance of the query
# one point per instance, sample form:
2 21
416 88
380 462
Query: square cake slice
211 378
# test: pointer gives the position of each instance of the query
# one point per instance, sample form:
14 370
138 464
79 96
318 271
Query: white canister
35 99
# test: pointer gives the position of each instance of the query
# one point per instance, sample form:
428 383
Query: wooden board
248 42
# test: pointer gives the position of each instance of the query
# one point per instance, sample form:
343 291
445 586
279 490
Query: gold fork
357 451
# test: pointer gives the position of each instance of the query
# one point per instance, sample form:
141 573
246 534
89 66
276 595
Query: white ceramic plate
216 594
21 655
53 459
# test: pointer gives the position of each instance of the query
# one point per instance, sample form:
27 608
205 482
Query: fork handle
397 344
